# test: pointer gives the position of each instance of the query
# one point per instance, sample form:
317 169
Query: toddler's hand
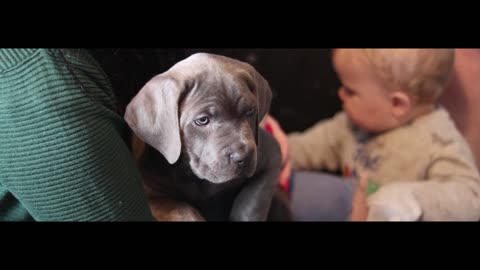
359 202
272 126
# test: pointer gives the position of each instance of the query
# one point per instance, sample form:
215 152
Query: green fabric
372 187
62 156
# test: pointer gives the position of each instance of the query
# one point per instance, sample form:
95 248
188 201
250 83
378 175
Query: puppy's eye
250 113
202 121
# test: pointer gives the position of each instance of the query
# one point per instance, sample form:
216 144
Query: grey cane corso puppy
202 116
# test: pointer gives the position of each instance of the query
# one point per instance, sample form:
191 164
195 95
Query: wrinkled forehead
226 94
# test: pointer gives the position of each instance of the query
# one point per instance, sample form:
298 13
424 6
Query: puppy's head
209 107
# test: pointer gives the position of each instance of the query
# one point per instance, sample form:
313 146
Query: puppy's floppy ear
263 93
153 115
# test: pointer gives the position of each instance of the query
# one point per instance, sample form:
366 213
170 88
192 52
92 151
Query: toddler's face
364 98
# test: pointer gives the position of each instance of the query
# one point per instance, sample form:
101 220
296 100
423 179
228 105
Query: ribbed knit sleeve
62 157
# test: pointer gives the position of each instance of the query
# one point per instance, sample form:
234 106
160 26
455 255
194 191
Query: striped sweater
62 157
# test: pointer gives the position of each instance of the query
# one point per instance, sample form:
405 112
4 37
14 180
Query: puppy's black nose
241 157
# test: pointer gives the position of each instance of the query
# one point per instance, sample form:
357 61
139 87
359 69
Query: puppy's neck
182 168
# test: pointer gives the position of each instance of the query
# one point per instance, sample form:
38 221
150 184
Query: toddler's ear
401 103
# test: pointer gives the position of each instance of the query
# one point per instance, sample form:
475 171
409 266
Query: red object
346 171
285 185
268 128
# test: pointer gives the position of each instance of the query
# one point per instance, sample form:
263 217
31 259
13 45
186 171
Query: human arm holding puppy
62 153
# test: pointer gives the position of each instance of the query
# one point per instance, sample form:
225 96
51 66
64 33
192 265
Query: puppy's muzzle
241 157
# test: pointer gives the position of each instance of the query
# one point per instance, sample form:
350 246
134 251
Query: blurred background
303 82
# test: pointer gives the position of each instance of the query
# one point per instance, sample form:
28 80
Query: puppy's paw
170 210
184 212
395 202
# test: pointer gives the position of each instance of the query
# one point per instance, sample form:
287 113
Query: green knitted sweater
62 157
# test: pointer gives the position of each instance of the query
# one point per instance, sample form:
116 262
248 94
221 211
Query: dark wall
303 82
